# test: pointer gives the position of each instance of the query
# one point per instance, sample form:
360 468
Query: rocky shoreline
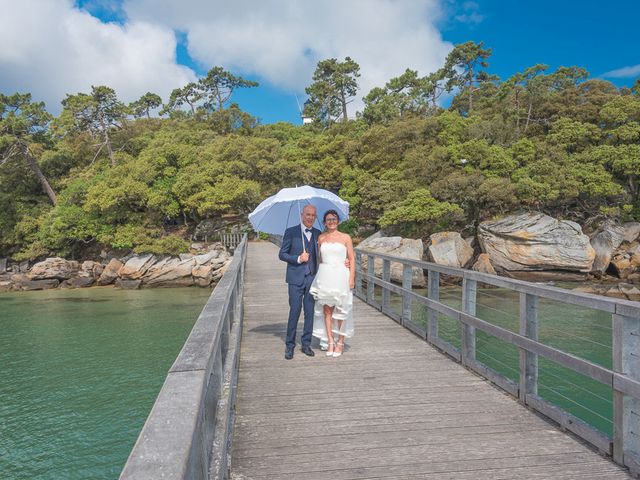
202 267
534 247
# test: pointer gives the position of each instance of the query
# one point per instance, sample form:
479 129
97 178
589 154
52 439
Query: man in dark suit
300 250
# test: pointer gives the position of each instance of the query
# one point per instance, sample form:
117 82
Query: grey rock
136 267
483 264
78 282
23 267
604 242
170 272
128 284
110 272
3 265
185 256
399 247
55 267
534 241
631 231
28 285
450 249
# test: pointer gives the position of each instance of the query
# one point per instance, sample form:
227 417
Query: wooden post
358 274
433 292
626 409
371 272
407 284
386 276
468 341
528 360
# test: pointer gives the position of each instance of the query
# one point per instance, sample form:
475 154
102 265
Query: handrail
188 432
623 377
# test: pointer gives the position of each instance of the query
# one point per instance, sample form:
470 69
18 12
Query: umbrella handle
304 249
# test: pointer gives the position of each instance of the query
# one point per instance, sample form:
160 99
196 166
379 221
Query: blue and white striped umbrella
282 210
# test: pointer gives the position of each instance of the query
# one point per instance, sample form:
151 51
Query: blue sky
157 45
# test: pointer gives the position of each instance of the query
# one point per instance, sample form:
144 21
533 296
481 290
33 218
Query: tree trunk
526 125
343 100
33 166
107 142
470 90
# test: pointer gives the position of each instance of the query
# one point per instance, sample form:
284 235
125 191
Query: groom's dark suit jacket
291 249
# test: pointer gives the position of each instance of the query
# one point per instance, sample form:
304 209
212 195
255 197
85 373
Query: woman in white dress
332 287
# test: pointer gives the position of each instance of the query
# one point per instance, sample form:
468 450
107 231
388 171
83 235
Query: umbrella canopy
282 210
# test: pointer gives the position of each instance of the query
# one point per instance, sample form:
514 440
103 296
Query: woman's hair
330 212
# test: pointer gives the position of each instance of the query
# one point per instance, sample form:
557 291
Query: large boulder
604 242
534 241
28 285
170 272
631 231
450 249
397 247
91 269
55 267
136 267
78 282
110 272
483 264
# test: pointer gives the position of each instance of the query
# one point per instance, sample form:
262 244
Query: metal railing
623 377
188 432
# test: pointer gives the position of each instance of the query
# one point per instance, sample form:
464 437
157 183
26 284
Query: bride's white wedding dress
331 287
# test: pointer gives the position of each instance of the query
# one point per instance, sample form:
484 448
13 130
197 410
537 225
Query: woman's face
331 223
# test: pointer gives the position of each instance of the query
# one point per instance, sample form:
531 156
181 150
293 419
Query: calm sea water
79 372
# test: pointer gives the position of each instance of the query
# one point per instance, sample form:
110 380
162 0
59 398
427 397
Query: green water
79 372
580 331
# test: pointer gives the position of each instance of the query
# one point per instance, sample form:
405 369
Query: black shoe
307 351
288 353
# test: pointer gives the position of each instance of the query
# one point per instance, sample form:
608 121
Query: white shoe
337 354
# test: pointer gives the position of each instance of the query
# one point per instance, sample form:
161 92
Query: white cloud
624 72
281 41
50 48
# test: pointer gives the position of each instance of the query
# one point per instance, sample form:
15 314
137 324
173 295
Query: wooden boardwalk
391 407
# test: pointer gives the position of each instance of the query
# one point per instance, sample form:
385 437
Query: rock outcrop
483 264
399 247
534 241
450 249
110 272
54 268
604 242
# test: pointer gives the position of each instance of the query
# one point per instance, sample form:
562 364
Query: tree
462 68
98 113
218 86
334 86
146 103
23 123
406 94
190 94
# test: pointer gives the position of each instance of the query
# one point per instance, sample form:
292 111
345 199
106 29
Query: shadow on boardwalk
392 407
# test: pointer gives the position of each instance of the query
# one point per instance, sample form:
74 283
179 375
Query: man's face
308 216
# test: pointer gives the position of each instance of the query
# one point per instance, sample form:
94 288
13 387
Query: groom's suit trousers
300 299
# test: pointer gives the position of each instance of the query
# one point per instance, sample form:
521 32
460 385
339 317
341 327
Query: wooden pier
391 407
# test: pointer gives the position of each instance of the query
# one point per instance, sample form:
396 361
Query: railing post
626 409
468 341
358 274
386 276
528 360
371 272
407 284
433 292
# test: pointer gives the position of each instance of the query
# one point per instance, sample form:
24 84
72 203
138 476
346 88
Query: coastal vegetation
443 151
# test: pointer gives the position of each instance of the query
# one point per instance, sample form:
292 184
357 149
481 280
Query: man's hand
304 257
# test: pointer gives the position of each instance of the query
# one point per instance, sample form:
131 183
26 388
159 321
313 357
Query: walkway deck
391 407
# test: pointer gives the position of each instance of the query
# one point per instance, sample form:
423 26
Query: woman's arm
352 263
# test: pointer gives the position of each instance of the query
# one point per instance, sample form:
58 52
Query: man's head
308 215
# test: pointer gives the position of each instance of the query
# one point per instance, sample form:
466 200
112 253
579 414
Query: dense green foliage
557 141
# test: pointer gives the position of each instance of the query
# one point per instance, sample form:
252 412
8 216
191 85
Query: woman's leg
328 325
340 343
